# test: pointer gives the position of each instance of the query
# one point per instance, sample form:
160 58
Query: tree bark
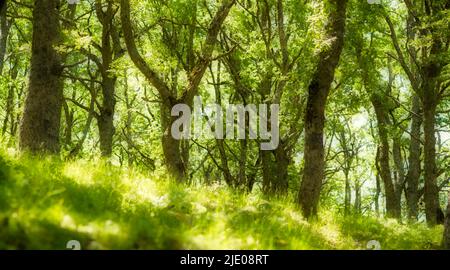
69 119
392 203
358 202
173 154
446 238
110 51
224 163
430 171
413 175
40 126
105 120
348 149
430 69
4 32
267 171
224 167
282 161
242 177
414 159
9 117
348 194
400 174
430 100
313 175
378 184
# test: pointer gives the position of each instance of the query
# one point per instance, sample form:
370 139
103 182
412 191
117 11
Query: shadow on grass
141 226
275 230
100 217
42 235
43 208
390 233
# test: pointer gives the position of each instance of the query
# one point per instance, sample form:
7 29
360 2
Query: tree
4 32
431 94
446 237
318 90
39 129
350 147
427 21
414 163
174 151
110 50
267 76
382 110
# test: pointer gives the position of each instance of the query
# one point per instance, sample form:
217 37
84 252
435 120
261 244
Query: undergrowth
45 202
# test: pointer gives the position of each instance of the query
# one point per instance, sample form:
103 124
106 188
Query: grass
44 203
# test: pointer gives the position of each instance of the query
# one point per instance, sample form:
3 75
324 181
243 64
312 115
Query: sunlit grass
45 202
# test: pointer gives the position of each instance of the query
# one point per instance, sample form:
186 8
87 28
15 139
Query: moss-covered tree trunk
172 148
430 171
110 51
282 161
39 130
413 175
393 208
434 60
430 100
313 173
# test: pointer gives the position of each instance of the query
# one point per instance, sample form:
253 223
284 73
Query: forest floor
44 203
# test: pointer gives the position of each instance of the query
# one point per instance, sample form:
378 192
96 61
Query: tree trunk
128 129
348 149
224 163
431 68
9 110
429 103
4 32
15 121
348 194
10 101
109 52
69 119
430 189
267 171
275 170
242 178
413 175
39 130
446 238
414 161
400 173
173 154
384 170
378 190
105 120
282 161
318 90
224 167
358 202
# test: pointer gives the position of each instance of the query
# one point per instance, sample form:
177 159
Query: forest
228 124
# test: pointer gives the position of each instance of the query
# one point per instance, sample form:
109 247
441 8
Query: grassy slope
45 203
